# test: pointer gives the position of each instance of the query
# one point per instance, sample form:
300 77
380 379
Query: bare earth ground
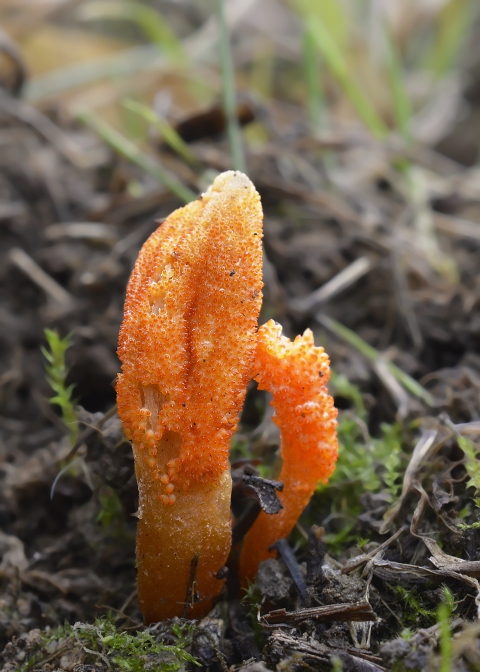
70 228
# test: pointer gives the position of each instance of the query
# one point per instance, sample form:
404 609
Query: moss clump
109 647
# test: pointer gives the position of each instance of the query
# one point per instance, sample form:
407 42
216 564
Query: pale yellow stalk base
171 538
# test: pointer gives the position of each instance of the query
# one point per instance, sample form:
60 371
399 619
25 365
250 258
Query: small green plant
337 665
252 596
111 514
365 464
252 600
465 513
407 634
133 652
472 466
393 461
168 133
342 387
472 526
105 644
444 612
414 608
240 448
57 372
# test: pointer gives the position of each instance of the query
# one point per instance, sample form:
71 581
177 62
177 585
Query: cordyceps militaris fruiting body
189 346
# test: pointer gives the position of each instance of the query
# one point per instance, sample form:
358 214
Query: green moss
110 647
134 652
365 464
111 514
253 600
415 609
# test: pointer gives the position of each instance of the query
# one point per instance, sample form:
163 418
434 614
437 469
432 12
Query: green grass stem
409 383
472 465
229 97
401 103
453 24
130 151
148 19
444 612
311 69
168 133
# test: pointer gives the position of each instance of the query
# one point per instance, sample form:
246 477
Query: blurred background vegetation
411 67
359 123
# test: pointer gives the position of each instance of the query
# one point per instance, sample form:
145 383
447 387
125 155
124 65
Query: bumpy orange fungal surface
187 345
296 373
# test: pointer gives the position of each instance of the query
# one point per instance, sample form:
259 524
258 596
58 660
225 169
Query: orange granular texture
296 373
188 337
187 345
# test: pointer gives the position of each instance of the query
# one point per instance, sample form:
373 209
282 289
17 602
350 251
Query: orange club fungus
296 373
189 346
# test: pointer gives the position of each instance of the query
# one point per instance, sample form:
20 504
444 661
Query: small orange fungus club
189 344
296 373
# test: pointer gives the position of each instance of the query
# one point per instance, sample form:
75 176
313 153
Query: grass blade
169 134
130 151
453 22
339 68
119 65
401 102
56 376
426 239
147 19
311 69
229 98
409 383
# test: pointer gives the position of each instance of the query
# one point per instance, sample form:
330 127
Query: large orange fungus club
189 344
